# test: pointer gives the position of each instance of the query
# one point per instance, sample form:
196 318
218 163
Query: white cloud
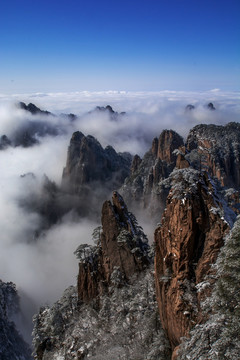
44 268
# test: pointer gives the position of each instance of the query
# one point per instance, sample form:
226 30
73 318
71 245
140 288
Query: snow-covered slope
125 326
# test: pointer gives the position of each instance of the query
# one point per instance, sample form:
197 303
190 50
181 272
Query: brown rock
168 141
88 287
187 243
135 163
232 197
163 149
123 247
175 353
141 188
181 162
155 147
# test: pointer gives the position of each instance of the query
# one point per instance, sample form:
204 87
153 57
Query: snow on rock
187 244
126 326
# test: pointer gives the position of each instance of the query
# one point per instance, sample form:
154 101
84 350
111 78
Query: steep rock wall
216 149
123 248
187 244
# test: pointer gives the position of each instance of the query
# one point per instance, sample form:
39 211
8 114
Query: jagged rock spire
187 244
123 246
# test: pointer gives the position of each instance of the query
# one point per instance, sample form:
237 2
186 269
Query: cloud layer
42 268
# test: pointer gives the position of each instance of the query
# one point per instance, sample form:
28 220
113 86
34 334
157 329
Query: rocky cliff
218 336
122 249
113 312
187 245
194 189
211 148
88 163
91 172
216 149
90 175
12 345
139 188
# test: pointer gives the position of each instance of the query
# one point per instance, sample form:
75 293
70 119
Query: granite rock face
90 176
141 186
113 312
194 189
168 141
123 249
89 163
92 173
208 148
187 244
216 149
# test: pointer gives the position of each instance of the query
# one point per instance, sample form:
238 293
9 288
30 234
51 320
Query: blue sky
74 45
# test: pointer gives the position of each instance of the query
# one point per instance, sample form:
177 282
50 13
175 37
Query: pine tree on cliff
218 338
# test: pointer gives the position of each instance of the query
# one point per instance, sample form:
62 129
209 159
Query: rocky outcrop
141 186
89 164
122 249
216 149
182 162
92 173
185 180
187 244
135 163
209 148
33 109
12 345
210 106
113 312
168 141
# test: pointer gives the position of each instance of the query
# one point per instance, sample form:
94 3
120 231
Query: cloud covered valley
38 258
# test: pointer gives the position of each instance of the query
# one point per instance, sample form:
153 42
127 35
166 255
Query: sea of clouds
42 269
